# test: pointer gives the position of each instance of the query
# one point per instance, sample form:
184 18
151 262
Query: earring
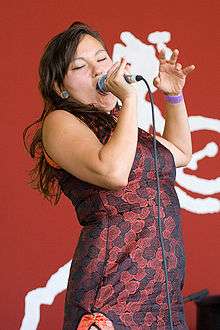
64 95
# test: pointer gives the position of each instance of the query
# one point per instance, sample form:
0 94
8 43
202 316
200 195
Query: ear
64 94
56 88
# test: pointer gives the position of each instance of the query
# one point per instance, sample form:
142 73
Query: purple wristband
174 99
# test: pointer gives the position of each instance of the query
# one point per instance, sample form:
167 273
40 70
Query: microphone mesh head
100 86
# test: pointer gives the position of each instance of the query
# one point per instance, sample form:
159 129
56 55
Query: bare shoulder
60 123
61 118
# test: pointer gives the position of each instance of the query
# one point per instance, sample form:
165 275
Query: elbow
117 182
186 159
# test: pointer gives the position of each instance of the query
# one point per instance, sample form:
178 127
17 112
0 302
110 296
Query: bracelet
174 99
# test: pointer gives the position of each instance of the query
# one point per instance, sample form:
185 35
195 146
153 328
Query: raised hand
171 78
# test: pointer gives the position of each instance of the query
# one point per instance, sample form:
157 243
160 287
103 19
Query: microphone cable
139 78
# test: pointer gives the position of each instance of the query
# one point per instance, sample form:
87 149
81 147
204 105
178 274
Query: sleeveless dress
117 279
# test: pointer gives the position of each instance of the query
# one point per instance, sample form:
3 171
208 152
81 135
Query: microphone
102 89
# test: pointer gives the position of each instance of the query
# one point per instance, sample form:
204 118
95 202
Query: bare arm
176 135
120 150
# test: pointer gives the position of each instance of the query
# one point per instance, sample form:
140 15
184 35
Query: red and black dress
117 279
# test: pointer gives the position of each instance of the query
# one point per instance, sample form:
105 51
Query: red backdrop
37 238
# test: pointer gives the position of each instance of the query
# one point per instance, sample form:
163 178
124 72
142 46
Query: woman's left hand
171 77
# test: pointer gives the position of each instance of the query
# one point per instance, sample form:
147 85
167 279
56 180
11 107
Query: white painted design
56 284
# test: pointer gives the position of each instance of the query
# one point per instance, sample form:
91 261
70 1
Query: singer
90 149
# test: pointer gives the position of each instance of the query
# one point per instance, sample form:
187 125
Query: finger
113 68
156 81
121 68
188 69
127 68
174 56
162 57
178 66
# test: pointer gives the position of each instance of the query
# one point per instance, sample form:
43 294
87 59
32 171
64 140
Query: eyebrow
82 58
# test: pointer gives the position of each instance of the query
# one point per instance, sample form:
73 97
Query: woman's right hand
116 82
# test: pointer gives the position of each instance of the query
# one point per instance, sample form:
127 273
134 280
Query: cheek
108 64
81 82
76 80
80 86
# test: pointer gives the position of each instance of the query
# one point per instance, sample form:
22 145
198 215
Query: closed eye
102 59
78 67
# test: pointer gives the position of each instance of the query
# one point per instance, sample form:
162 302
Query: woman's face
90 61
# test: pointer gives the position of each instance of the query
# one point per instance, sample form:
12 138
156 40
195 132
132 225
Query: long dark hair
53 67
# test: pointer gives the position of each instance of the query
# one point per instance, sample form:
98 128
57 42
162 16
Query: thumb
156 82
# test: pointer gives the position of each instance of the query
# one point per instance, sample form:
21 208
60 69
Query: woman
91 149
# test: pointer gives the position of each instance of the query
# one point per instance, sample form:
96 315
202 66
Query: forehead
87 45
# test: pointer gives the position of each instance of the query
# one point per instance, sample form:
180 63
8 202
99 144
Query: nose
97 70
